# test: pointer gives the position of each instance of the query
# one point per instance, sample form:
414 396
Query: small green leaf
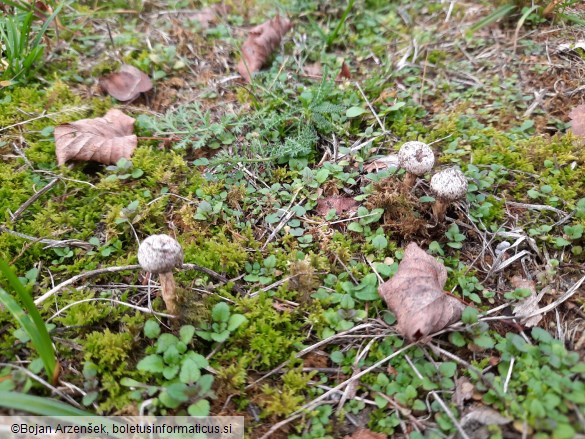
186 333
189 372
235 321
220 337
484 341
170 372
447 369
151 329
457 339
220 312
380 242
337 357
469 315
355 227
200 408
151 363
204 384
165 341
354 112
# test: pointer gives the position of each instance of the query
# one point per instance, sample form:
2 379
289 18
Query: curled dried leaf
340 204
207 16
364 433
261 42
103 139
577 116
526 307
415 295
126 84
314 70
344 73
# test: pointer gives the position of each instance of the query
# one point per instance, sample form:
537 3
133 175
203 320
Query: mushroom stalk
439 209
159 254
168 286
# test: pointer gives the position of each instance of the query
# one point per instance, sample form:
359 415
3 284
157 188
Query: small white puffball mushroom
448 186
159 254
417 158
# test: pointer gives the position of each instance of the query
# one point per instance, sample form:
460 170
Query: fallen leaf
577 116
415 295
484 416
390 161
364 433
464 390
126 84
103 139
314 70
207 16
344 73
340 204
260 44
528 305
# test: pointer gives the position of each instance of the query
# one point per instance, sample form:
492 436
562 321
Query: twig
99 271
509 374
50 242
370 106
43 116
32 199
118 302
214 275
80 276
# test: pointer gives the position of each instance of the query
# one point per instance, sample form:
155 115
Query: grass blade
38 405
32 323
333 35
498 14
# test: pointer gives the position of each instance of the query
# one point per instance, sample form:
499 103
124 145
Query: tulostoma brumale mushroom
448 185
160 254
417 158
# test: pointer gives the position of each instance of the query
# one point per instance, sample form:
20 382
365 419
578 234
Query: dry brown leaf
260 44
207 16
314 70
340 204
126 84
464 390
529 305
344 73
364 433
415 295
103 139
577 116
390 161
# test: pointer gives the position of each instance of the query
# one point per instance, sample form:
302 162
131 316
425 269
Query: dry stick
118 302
68 110
43 382
87 274
509 374
214 275
370 106
50 242
32 199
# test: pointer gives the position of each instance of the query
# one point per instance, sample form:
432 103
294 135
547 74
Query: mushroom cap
416 157
160 254
449 184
